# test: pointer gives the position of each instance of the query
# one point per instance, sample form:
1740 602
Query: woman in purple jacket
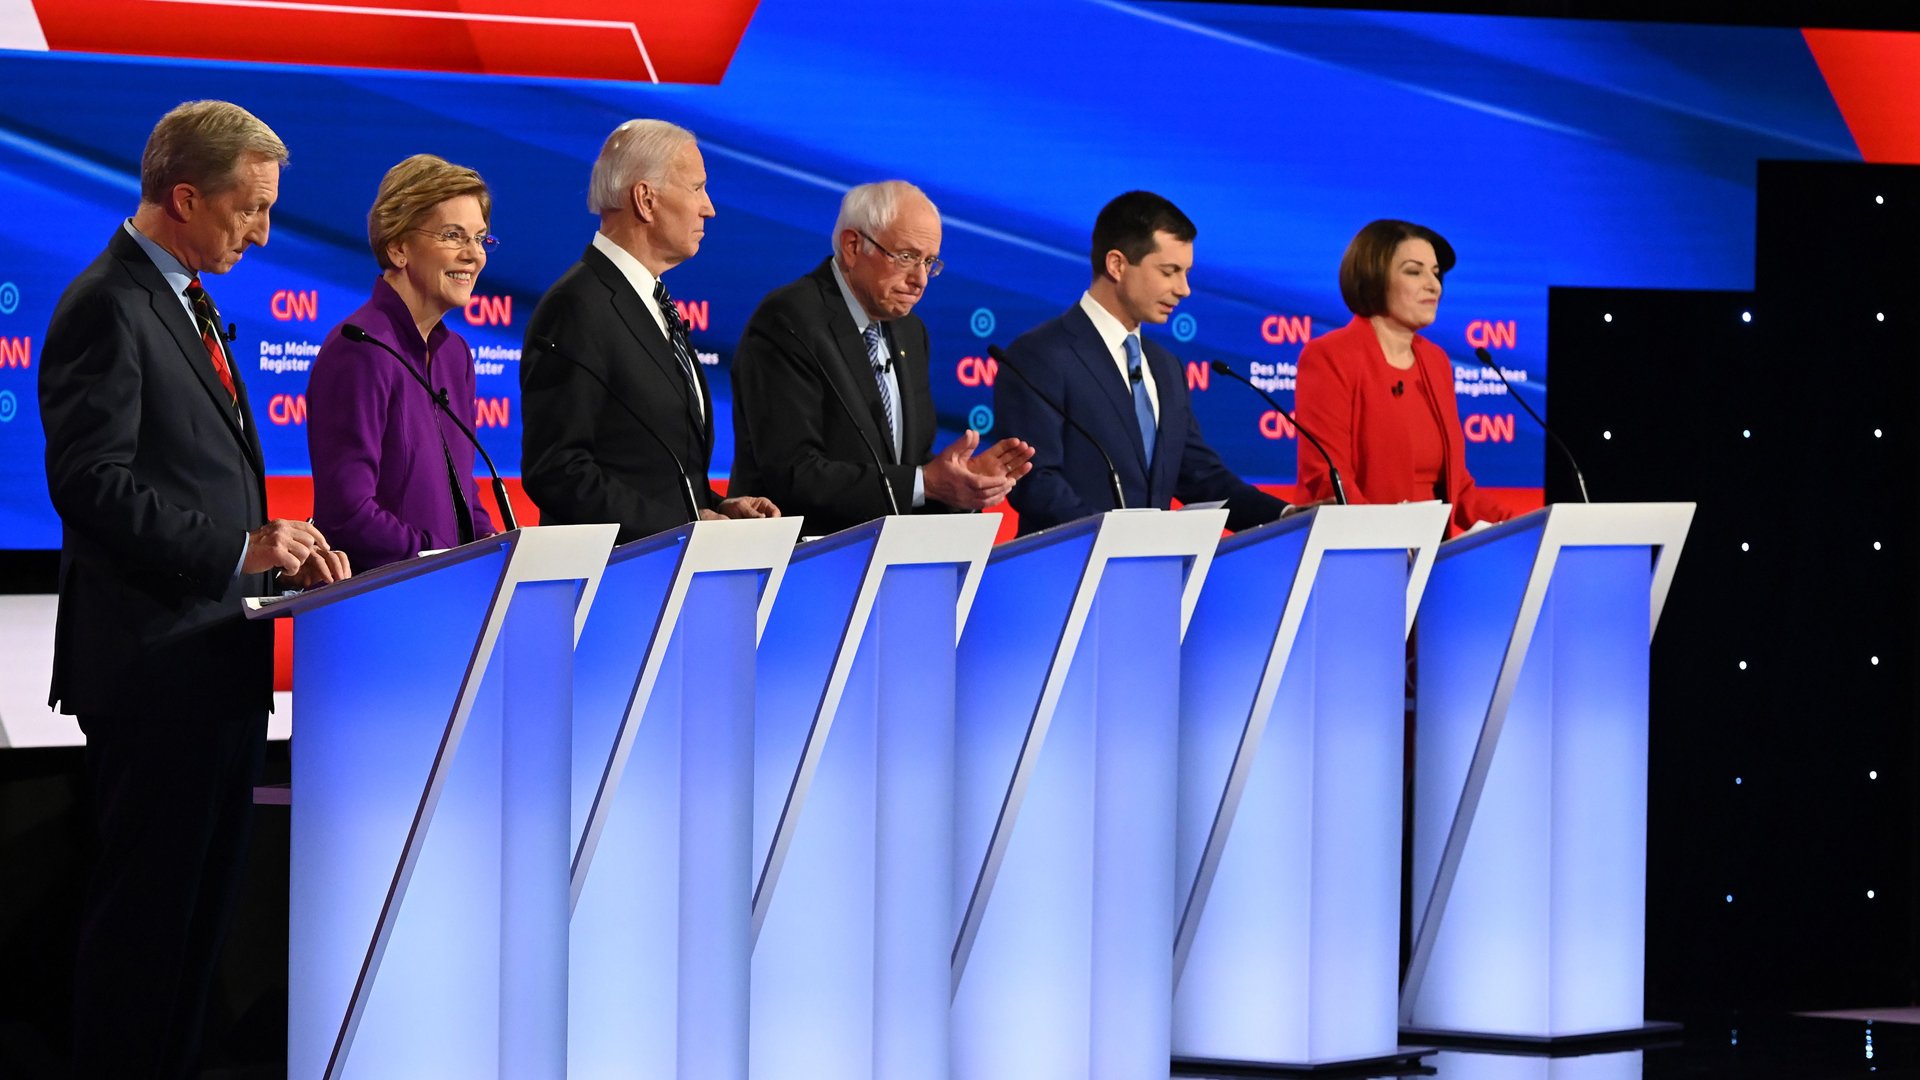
393 475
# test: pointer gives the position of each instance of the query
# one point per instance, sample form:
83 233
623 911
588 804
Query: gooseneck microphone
355 333
1486 358
1113 474
879 466
1221 367
686 485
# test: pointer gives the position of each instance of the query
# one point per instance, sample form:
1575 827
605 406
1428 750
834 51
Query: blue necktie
872 336
1142 404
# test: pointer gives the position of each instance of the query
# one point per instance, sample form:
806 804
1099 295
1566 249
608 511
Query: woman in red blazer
1378 394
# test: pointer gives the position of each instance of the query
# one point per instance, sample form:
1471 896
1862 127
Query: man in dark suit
617 419
833 412
153 463
1130 393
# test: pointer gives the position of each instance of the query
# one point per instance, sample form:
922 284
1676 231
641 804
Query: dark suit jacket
1067 360
157 479
794 441
584 457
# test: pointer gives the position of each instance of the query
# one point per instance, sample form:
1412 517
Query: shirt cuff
241 562
919 488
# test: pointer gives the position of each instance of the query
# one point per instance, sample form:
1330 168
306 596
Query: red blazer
1342 394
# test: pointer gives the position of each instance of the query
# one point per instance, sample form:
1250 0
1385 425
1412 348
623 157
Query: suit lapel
1104 374
908 369
639 322
855 368
193 350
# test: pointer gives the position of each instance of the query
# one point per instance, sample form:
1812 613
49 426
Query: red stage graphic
627 40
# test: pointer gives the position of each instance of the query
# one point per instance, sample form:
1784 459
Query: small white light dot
1873 774
1743 665
1736 781
1879 316
1869 896
1743 545
1876 433
1876 545
1608 317
1879 200
1746 433
1876 660
1606 435
1729 898
1746 316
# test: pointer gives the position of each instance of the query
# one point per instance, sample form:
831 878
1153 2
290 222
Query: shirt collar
172 269
632 269
1104 324
860 319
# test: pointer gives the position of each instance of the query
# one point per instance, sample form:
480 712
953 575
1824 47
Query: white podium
1530 805
853 801
428 887
1063 901
661 785
1291 771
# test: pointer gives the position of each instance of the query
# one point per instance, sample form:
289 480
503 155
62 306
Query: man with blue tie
1127 392
833 411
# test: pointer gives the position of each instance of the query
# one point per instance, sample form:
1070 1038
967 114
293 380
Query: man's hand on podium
297 550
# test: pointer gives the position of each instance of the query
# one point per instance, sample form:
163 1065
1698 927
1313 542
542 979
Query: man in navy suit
1128 392
153 462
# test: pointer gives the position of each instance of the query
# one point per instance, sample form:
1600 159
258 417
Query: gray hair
871 208
637 150
203 143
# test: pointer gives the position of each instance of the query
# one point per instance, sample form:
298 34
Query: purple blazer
380 488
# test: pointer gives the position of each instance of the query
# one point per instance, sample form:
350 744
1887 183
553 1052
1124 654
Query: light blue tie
872 336
1142 404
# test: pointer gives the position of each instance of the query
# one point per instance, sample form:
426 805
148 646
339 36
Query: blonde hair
203 143
408 194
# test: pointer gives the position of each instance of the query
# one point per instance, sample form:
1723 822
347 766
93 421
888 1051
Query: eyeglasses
907 260
456 238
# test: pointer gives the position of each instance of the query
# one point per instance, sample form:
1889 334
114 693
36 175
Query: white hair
871 208
637 150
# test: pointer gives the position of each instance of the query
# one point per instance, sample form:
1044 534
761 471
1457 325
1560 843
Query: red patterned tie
208 321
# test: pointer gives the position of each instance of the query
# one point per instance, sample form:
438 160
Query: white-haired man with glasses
618 419
833 412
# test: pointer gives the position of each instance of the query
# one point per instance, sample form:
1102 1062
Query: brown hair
203 143
1369 260
410 191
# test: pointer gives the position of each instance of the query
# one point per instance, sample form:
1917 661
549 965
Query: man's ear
641 197
1116 264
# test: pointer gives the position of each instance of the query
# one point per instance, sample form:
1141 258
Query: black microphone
1486 358
878 464
1339 488
686 485
439 397
1398 389
1113 475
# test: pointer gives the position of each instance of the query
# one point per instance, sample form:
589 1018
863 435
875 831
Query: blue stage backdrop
1549 152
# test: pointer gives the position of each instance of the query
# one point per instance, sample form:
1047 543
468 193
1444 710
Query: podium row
898 803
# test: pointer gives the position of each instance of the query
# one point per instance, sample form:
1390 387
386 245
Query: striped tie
682 351
207 320
872 337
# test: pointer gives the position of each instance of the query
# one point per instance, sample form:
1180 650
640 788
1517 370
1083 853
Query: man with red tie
153 463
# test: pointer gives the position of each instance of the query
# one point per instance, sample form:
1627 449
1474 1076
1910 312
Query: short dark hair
1369 260
1128 224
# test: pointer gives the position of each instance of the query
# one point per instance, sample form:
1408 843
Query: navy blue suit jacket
1067 360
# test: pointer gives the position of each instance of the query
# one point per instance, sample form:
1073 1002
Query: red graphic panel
631 40
1874 76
